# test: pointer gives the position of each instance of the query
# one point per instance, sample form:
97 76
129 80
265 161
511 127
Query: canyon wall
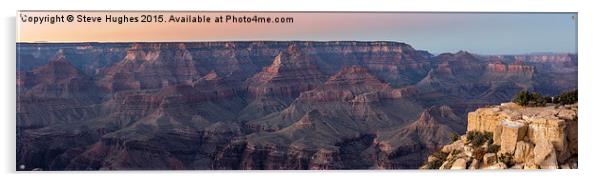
254 104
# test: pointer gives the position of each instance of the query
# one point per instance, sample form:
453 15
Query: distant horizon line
218 41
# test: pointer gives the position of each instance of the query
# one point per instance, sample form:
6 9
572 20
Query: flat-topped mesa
517 67
549 58
526 138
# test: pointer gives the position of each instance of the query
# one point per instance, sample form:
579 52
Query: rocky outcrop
56 93
407 147
151 66
291 73
512 136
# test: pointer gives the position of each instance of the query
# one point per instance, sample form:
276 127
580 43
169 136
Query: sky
481 33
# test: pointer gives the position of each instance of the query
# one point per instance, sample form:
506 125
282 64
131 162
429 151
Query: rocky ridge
509 136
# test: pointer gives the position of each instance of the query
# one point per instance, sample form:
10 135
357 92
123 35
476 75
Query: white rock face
511 133
523 152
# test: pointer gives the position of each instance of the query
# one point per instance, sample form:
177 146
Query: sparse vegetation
454 137
489 137
526 98
522 98
507 159
436 164
479 153
493 148
440 155
534 99
477 138
567 98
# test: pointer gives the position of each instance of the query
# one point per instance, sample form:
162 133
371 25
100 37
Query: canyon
259 104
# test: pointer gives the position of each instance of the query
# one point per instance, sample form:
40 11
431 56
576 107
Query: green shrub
477 138
489 137
470 135
479 153
493 148
549 99
436 164
522 98
526 98
567 98
454 137
537 99
440 155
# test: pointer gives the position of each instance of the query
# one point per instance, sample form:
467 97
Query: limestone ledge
534 137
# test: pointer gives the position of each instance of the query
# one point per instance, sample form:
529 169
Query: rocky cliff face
151 66
56 93
408 146
254 105
511 136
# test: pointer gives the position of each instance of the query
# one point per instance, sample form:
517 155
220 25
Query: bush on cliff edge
526 98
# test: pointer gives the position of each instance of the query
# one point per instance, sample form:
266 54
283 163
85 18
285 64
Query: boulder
460 163
518 166
489 159
432 158
498 165
530 165
457 145
468 151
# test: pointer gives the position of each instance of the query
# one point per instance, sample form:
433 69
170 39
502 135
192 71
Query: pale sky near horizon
482 33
